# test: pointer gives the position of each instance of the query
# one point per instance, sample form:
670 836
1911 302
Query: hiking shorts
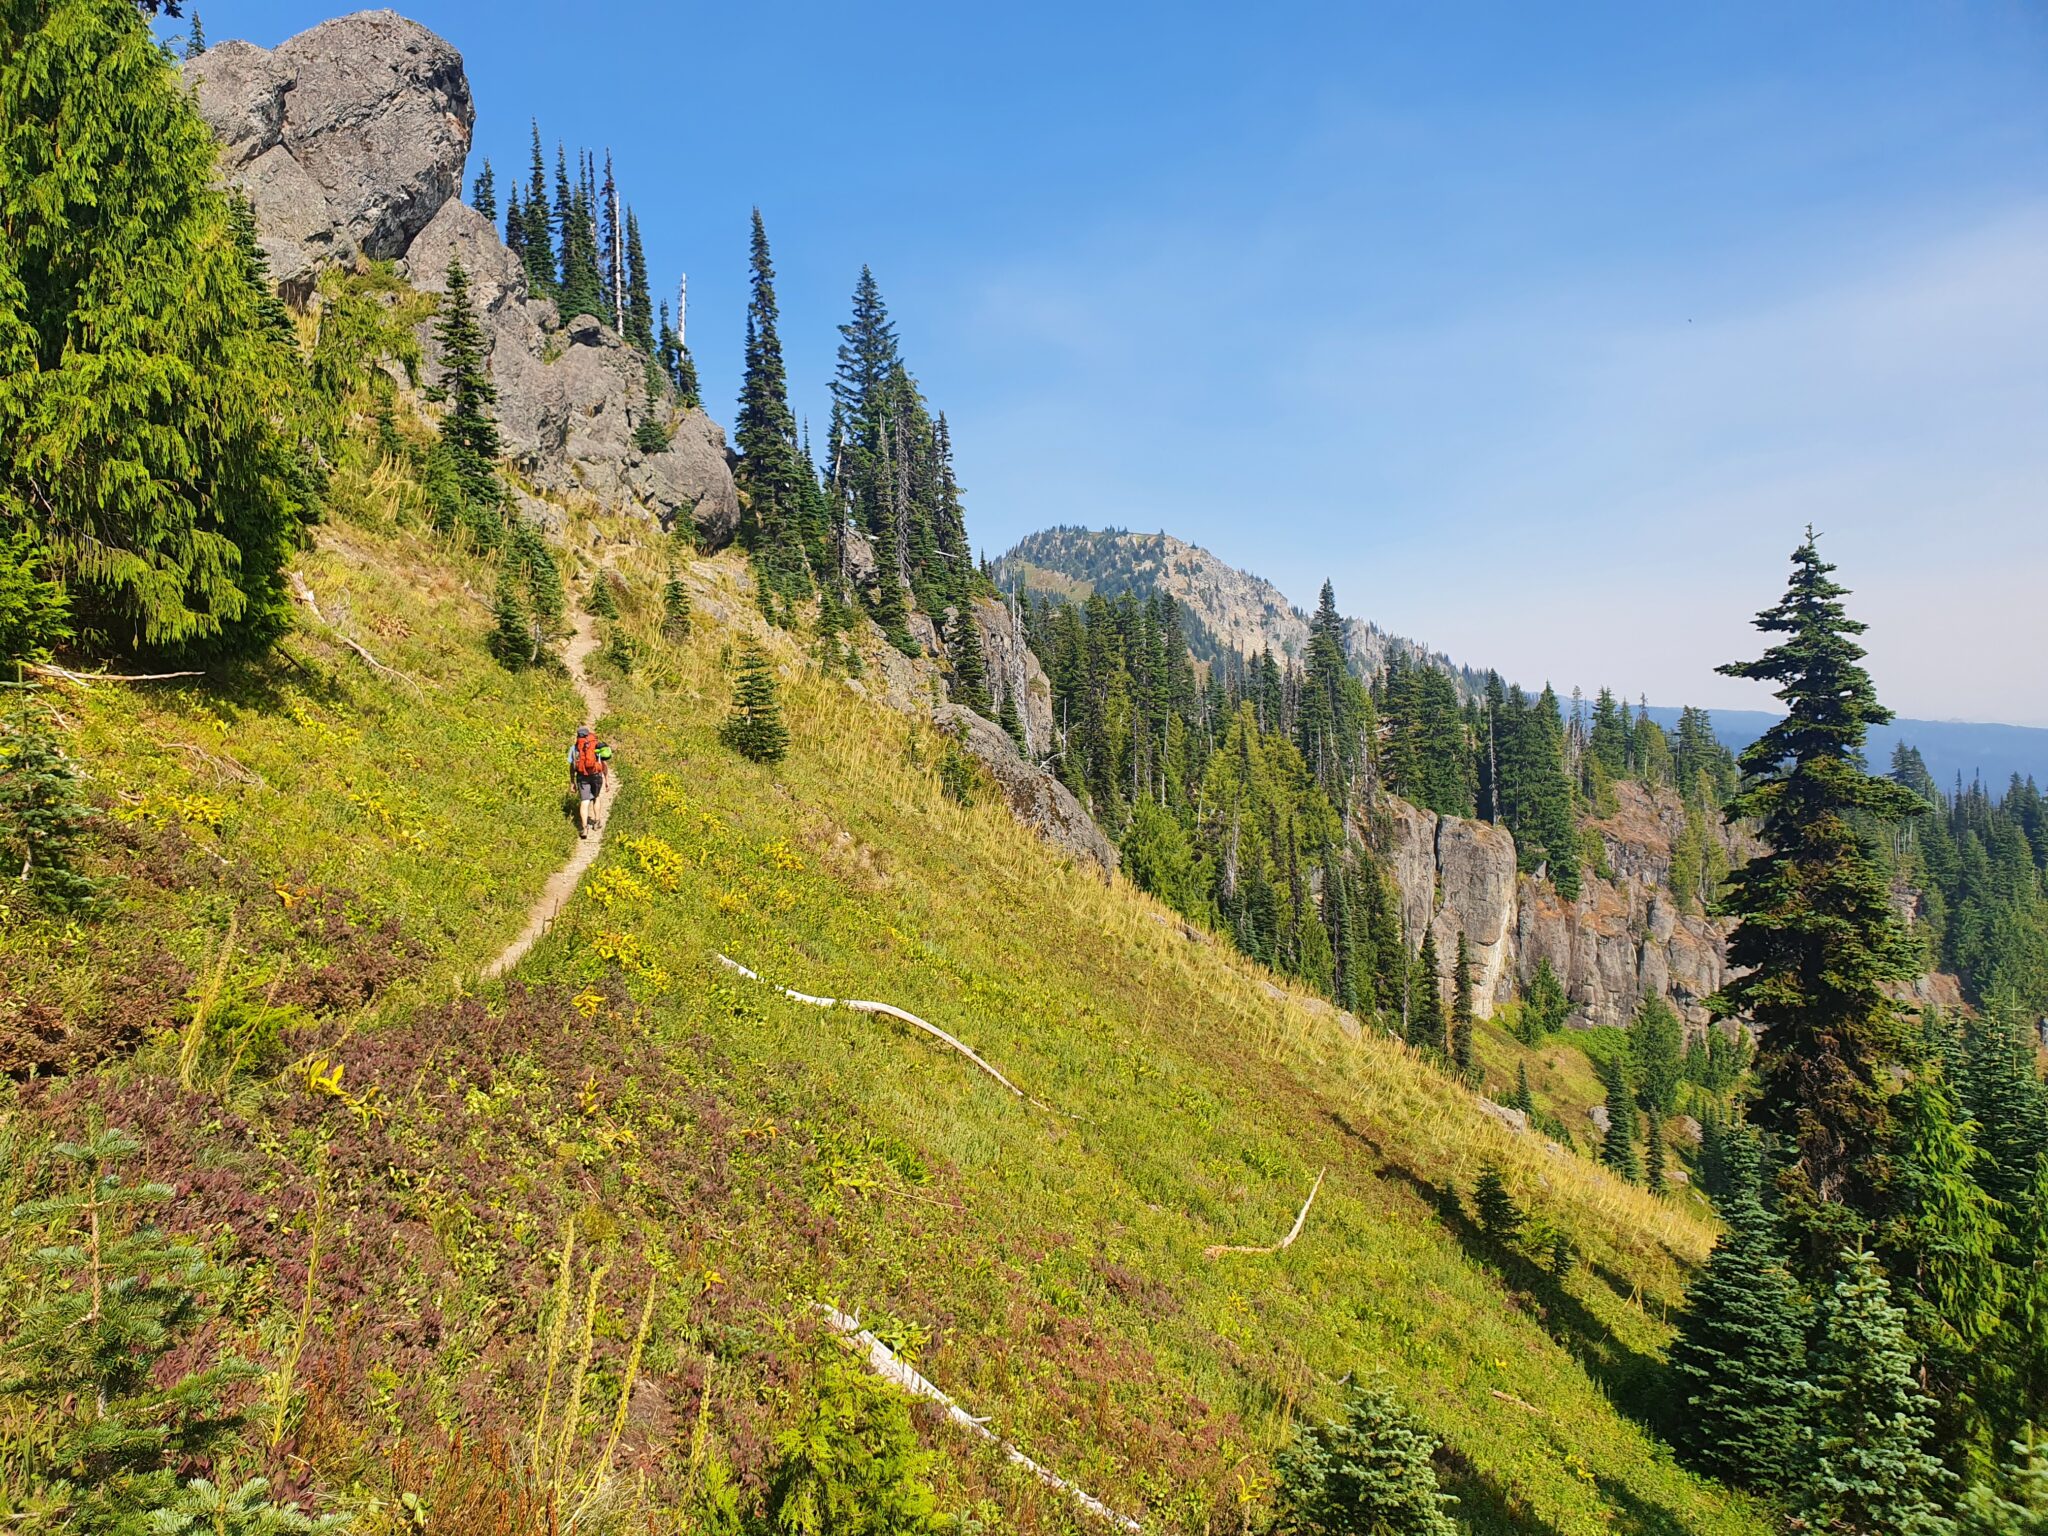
589 786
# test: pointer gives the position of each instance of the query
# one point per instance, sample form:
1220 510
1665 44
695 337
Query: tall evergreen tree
1426 1004
769 476
754 728
195 39
639 302
1461 1006
612 262
537 239
1868 1470
483 193
1737 1361
469 430
146 397
970 667
1818 942
1618 1145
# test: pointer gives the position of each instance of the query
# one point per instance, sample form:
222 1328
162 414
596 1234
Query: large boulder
348 138
1034 796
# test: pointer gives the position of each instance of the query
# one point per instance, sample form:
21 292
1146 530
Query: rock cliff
349 141
1622 939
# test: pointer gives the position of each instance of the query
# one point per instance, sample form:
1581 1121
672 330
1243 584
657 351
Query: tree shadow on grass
1485 1508
1639 1516
1634 1382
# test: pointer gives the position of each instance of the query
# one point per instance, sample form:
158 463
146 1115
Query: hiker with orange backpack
589 762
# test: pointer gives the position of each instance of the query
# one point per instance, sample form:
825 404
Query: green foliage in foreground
754 729
1369 1471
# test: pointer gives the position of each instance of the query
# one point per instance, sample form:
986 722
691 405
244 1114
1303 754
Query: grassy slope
745 1155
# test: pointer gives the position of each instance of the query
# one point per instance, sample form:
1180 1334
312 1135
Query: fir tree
1368 1472
612 263
970 671
1818 942
469 431
600 603
146 457
1009 719
34 615
512 637
1523 1099
537 239
1618 1146
1461 1006
115 1299
754 729
851 1465
483 194
1737 1361
528 554
2020 1507
1499 1217
195 39
1426 1004
1867 1467
639 302
675 361
1653 1153
1544 1005
43 816
582 287
675 607
769 475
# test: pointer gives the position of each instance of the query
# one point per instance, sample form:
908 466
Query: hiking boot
582 832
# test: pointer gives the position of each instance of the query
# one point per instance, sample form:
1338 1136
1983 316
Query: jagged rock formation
350 140
1226 612
1620 940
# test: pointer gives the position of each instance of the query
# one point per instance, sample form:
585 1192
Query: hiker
589 761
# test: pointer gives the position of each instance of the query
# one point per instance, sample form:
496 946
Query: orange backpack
586 754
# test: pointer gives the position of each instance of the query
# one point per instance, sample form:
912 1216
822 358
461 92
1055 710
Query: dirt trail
562 883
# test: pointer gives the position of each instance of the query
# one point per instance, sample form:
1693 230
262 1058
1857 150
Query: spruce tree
1499 1217
44 816
601 603
1461 1006
1426 1001
639 302
142 381
2015 1505
768 472
512 637
195 39
1737 1362
1368 1472
483 194
537 239
1818 942
754 729
1618 1146
1523 1099
469 430
1544 1005
970 669
1867 1470
675 607
114 1299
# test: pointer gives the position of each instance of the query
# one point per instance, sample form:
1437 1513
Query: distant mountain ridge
1951 748
1226 611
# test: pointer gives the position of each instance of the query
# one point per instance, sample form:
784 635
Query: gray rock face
350 140
1475 864
1013 669
347 138
1034 796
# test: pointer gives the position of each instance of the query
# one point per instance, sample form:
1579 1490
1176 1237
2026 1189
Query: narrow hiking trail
562 883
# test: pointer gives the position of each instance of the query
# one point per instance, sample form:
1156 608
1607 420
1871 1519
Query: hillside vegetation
746 1156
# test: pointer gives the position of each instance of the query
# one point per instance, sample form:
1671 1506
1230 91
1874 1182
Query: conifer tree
754 729
512 639
1368 1472
612 258
195 40
1737 1361
1544 1005
515 226
527 552
1653 1153
115 1299
537 239
675 361
970 669
639 302
768 476
1618 1146
1426 1002
1818 942
469 431
33 612
44 815
852 1465
483 194
675 607
1523 1099
148 459
601 603
1461 1006
1499 1217
1868 1470
2020 1506
1009 719
582 286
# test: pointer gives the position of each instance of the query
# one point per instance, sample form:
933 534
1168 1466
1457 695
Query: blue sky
1542 331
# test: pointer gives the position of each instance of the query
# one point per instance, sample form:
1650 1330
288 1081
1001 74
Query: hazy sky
1541 334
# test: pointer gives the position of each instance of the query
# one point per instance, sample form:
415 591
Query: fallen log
1219 1249
87 679
305 595
884 1362
889 1010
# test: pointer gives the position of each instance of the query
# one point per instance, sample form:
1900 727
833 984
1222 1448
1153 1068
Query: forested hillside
980 1065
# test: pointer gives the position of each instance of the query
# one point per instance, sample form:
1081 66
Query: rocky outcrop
1034 796
350 141
1013 669
347 139
1621 939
